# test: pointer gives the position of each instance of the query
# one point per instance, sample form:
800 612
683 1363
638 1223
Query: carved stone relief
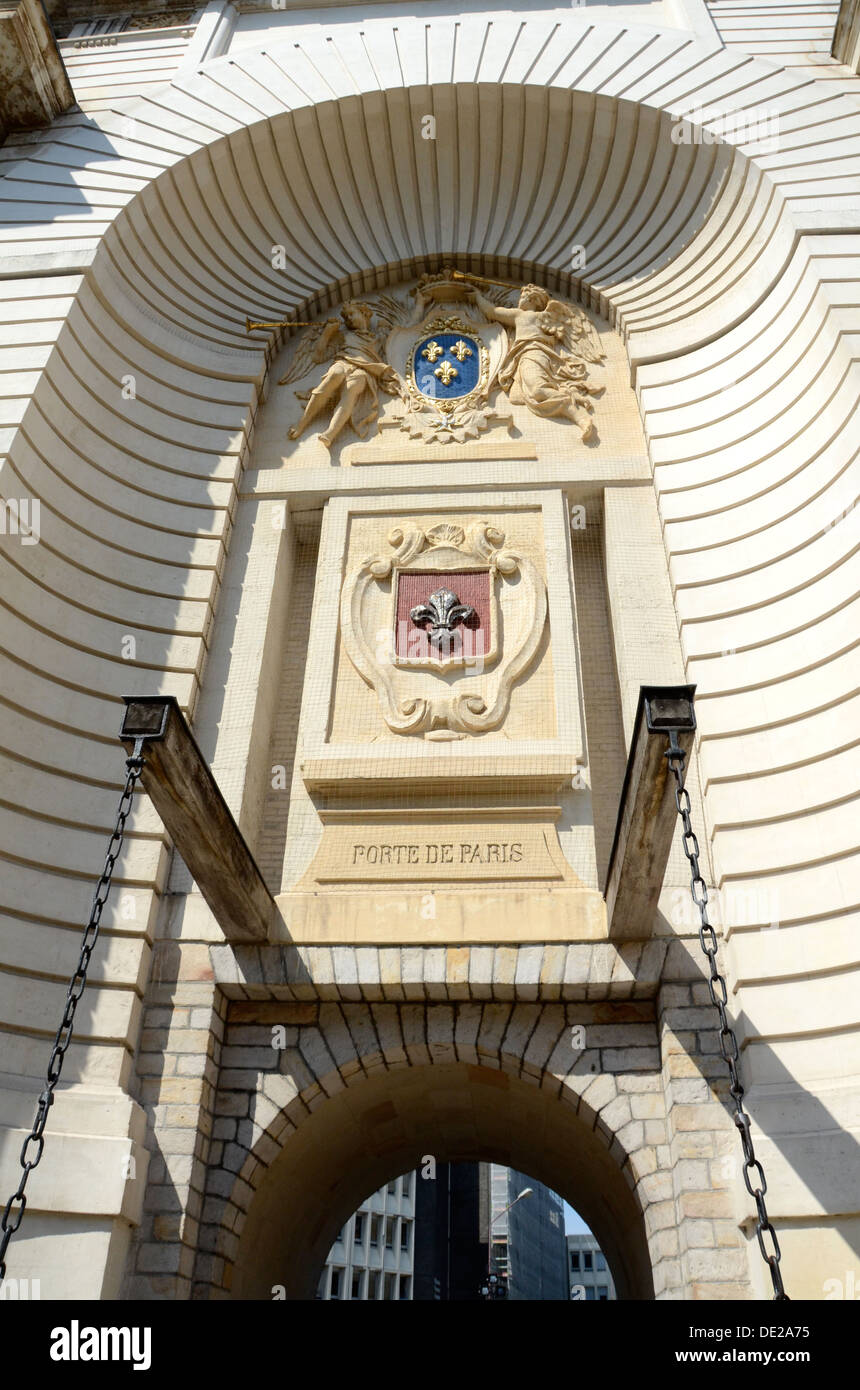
445 667
443 357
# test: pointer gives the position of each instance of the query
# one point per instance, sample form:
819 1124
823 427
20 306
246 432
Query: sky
573 1222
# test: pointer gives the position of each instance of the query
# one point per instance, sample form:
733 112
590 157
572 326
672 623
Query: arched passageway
370 1132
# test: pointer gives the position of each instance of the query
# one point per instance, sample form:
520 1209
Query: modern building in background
590 1278
528 1242
372 1256
426 1239
450 1237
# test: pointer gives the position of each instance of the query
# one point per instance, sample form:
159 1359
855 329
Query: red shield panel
467 640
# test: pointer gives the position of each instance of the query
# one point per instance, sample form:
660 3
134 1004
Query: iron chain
728 1042
11 1220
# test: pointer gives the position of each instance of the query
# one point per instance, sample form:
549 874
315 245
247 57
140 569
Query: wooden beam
183 791
647 815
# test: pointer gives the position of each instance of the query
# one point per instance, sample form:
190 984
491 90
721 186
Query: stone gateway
431 423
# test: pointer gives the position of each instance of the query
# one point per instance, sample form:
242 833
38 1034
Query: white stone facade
372 1256
588 1272
714 189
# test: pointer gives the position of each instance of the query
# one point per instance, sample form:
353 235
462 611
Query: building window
587 1257
334 1291
599 1261
391 1288
374 1229
404 1235
602 1293
358 1232
392 1188
405 1290
590 1296
389 1233
356 1283
574 1259
372 1284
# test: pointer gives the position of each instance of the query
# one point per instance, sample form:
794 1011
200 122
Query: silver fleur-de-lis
441 614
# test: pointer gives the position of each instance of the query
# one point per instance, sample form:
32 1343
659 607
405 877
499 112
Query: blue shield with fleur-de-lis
446 365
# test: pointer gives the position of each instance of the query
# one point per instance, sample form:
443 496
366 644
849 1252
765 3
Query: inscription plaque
504 845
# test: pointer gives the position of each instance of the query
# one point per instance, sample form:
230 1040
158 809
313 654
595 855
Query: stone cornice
34 85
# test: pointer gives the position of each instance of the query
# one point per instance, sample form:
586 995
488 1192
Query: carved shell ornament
445 534
444 695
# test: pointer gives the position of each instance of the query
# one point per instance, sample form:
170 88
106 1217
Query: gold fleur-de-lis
461 350
432 351
446 373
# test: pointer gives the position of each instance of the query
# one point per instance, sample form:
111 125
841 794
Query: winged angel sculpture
350 386
545 365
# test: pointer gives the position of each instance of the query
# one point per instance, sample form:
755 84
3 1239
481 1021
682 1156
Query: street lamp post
526 1192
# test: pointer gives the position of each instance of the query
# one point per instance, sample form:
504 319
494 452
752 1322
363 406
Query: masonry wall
635 1072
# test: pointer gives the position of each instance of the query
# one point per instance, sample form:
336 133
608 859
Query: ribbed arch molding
522 176
738 321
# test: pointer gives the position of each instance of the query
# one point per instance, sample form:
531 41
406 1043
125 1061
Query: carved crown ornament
442 626
442 357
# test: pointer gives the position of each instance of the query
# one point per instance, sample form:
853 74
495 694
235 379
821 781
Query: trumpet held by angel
545 366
